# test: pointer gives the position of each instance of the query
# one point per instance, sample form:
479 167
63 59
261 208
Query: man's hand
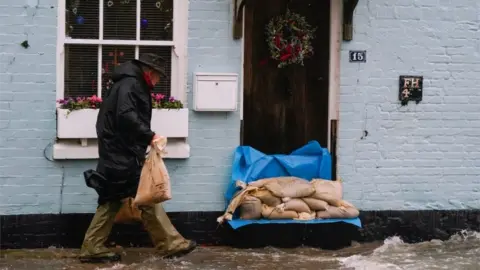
154 140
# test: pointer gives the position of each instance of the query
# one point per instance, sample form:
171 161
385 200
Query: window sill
73 149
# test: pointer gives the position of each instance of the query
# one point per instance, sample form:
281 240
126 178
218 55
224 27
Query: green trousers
166 239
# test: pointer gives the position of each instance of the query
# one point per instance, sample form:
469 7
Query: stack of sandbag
290 198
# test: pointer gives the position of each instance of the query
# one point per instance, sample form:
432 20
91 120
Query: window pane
166 52
113 56
120 19
156 20
81 70
81 19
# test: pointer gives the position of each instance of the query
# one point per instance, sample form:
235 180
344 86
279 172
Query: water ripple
460 252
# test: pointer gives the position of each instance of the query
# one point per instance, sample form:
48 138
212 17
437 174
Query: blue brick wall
423 156
29 183
416 157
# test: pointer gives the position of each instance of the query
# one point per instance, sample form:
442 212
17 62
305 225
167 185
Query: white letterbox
215 92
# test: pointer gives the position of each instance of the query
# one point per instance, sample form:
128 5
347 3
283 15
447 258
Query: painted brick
29 183
423 156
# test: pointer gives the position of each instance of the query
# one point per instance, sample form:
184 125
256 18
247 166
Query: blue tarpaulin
307 162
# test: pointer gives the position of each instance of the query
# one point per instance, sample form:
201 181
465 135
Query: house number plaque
358 56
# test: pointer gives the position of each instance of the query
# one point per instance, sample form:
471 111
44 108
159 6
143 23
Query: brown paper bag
154 186
128 212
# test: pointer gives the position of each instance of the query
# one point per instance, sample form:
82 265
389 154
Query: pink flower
159 97
94 99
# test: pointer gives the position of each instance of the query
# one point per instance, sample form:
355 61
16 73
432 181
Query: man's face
155 77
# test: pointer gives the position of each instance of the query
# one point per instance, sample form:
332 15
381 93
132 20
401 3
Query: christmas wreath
289 39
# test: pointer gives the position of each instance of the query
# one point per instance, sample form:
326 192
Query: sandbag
297 205
235 203
306 216
266 197
338 212
316 204
329 191
261 182
128 213
272 213
250 208
240 184
287 186
154 186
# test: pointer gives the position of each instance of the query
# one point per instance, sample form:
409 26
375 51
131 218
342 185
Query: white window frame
178 86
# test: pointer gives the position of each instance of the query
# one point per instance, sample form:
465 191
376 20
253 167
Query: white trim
242 67
69 40
100 48
100 19
60 50
73 149
222 76
99 71
137 52
179 51
334 60
139 11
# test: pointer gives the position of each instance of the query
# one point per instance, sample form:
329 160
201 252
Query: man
123 131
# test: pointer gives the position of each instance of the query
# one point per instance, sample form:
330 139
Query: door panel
284 108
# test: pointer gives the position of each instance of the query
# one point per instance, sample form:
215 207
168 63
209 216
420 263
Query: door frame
336 19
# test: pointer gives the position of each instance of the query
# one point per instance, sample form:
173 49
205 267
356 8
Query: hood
127 69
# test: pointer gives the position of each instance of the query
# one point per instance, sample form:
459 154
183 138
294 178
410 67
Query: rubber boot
93 249
168 242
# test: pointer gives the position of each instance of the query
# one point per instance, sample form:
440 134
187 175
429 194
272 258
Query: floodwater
460 252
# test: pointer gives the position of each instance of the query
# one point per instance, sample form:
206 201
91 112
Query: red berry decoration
289 39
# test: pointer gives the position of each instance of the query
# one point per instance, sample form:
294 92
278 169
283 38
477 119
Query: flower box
80 124
171 123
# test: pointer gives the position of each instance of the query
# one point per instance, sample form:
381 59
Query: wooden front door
285 108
